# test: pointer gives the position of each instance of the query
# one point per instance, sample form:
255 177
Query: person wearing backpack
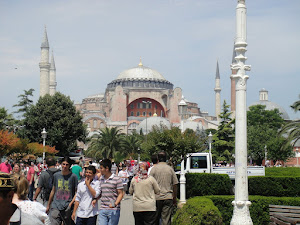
46 181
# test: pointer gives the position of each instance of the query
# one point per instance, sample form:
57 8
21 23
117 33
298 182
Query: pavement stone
126 217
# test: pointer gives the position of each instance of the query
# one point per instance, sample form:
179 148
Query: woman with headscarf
144 188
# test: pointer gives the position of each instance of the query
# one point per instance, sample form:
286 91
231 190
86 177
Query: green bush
274 186
259 209
282 171
200 184
197 211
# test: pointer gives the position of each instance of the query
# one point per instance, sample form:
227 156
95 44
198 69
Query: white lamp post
44 136
241 203
146 102
297 152
210 156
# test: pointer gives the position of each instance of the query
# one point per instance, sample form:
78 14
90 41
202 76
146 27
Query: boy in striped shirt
111 195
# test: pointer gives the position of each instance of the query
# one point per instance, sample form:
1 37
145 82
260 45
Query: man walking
46 181
167 182
62 194
86 192
30 179
111 195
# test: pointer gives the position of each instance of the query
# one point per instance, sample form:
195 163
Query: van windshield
198 162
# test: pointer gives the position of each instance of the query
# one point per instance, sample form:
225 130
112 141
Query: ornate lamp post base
241 214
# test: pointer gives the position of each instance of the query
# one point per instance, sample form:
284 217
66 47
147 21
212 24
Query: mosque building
141 97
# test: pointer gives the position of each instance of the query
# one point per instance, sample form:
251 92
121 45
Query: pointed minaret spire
217 92
45 43
44 66
217 71
52 76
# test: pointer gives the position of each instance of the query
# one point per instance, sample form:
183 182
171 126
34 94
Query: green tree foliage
173 142
58 115
292 129
24 102
263 126
106 144
6 119
223 139
130 144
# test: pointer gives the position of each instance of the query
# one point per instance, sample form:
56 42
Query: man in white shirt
86 191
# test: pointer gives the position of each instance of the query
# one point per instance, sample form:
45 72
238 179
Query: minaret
52 77
233 72
44 66
218 93
241 203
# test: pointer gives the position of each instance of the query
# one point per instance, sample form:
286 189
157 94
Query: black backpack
48 187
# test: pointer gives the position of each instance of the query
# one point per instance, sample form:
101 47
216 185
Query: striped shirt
109 191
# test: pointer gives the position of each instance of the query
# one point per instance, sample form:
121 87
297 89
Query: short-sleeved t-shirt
65 189
109 190
76 169
166 178
5 168
30 172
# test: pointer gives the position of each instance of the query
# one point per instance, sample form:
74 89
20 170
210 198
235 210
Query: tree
105 144
130 144
24 102
262 129
10 143
223 139
173 142
58 115
6 120
292 129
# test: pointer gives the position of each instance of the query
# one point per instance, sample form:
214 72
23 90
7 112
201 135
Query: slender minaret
233 72
44 66
52 77
218 93
241 203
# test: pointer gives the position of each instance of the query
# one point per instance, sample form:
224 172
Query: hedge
282 171
274 186
200 184
197 211
259 209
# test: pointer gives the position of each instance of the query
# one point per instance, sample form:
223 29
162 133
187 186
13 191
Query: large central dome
141 72
140 77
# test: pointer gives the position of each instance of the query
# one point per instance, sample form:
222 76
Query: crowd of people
83 192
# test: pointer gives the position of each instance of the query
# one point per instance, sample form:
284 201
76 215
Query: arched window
144 113
131 114
95 124
137 113
132 105
150 114
101 125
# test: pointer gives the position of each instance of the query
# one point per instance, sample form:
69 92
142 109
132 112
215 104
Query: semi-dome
147 124
140 77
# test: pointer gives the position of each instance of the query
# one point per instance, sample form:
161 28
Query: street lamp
44 136
146 102
297 151
139 156
209 142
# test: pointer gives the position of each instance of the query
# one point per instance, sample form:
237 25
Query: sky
94 41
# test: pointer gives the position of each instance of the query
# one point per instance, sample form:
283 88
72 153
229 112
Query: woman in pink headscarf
144 188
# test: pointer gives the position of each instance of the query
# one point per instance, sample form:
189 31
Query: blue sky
94 41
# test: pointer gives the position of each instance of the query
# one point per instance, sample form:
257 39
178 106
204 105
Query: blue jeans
86 221
31 189
108 217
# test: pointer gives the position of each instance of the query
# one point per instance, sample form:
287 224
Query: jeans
86 221
59 216
108 217
30 193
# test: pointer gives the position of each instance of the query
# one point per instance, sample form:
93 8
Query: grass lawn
283 171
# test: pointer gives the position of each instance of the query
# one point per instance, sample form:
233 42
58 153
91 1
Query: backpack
48 186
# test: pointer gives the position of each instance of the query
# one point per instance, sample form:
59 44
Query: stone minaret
44 66
52 77
233 72
218 92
